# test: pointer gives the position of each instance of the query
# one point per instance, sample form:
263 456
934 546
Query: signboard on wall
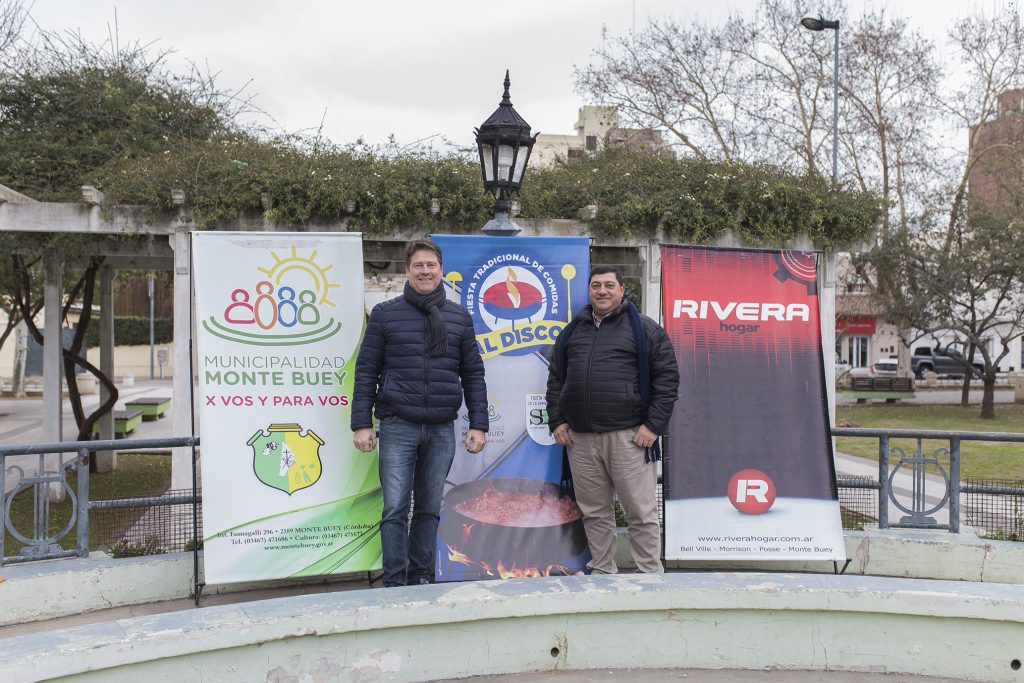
855 324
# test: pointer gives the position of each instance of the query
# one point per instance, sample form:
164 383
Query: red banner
748 466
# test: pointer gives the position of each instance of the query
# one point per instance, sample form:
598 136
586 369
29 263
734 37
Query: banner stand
197 585
745 326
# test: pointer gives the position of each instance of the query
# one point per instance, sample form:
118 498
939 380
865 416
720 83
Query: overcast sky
411 68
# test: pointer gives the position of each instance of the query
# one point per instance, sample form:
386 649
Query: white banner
279 318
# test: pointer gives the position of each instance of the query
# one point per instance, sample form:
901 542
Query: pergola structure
167 247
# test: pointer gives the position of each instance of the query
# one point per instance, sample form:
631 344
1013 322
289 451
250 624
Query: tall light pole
818 23
504 143
827 279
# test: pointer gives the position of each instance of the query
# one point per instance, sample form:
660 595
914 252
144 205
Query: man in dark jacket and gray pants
612 384
418 358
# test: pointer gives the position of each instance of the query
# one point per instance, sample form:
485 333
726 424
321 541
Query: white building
596 128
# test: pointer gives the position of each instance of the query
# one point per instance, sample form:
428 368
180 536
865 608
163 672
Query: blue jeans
414 458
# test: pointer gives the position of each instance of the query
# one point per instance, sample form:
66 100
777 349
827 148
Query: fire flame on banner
513 291
501 571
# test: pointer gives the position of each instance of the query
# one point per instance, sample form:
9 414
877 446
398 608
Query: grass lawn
979 460
137 474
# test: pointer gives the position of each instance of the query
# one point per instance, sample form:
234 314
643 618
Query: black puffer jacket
601 392
395 376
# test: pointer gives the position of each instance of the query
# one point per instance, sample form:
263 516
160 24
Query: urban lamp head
815 22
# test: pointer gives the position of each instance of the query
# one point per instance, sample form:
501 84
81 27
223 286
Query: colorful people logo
284 309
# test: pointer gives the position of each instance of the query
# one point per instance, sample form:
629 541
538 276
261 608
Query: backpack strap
652 454
561 360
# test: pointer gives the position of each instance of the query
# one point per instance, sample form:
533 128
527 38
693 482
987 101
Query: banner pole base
835 566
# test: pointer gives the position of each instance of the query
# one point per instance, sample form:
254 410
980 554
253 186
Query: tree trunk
965 390
988 398
71 357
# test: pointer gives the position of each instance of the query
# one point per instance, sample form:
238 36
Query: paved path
702 676
21 421
936 397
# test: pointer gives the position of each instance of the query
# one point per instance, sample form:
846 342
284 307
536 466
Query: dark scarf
430 304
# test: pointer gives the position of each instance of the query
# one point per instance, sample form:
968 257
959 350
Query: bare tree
13 17
676 77
789 97
971 295
890 74
991 50
754 90
84 287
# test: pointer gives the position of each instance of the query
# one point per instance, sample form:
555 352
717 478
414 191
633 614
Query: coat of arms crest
285 459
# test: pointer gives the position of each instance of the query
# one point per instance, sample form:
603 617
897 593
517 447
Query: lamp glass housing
504 144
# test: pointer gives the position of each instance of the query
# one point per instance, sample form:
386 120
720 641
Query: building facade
596 128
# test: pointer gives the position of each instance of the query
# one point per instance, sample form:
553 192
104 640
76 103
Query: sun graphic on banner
306 264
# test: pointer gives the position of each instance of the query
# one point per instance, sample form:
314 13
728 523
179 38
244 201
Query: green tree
68 108
970 291
73 106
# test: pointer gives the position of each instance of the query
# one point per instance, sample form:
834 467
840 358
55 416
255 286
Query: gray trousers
606 464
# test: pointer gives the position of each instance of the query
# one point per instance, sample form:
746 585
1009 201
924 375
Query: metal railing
43 541
916 504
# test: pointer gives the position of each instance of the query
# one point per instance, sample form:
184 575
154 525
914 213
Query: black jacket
601 390
395 376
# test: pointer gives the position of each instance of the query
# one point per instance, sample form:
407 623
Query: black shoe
422 581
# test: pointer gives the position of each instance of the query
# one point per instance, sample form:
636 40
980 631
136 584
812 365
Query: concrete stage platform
678 621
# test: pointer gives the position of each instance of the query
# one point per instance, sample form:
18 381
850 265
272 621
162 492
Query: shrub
133 330
150 545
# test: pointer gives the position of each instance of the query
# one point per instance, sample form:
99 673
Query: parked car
884 367
842 367
949 362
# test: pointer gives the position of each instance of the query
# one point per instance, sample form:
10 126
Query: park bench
125 422
892 389
153 408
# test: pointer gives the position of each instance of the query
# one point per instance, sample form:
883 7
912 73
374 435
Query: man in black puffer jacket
418 358
612 384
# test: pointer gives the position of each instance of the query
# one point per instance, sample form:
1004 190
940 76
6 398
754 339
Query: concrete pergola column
650 256
106 461
53 366
181 408
827 308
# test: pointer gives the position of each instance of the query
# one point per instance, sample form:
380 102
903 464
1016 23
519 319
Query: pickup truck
947 362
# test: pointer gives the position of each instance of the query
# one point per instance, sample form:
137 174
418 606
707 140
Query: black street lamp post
818 23
504 143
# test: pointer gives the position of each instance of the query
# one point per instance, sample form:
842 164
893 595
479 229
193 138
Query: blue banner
502 514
